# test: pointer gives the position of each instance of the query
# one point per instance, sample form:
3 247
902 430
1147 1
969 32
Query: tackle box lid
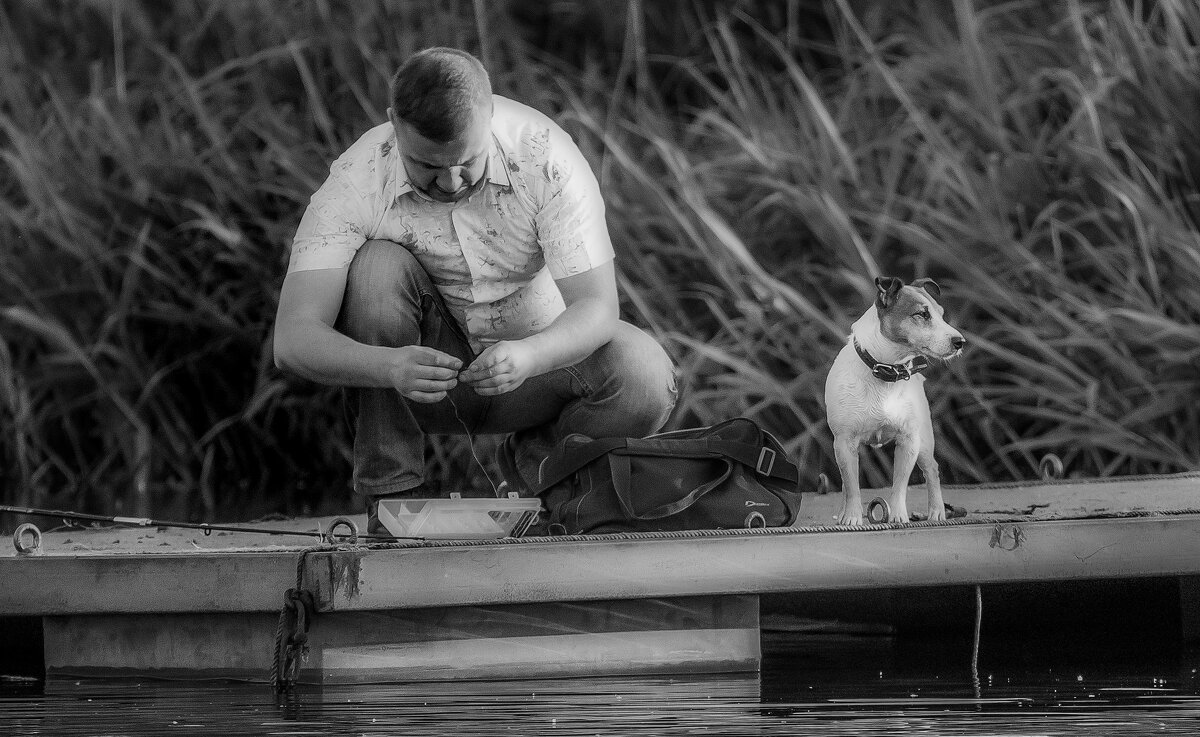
459 518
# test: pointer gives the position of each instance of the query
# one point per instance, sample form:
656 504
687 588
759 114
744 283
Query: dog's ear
888 287
929 285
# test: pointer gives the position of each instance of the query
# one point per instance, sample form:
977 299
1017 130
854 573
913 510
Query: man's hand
501 367
423 374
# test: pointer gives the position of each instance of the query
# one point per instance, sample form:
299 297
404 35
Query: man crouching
455 272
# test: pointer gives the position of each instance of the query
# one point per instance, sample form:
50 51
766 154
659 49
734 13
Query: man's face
446 172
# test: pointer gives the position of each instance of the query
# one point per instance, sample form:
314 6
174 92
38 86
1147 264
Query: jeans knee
645 379
382 301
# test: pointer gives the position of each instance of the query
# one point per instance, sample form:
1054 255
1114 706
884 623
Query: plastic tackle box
458 518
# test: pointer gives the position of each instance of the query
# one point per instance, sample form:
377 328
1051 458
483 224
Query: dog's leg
902 467
929 467
933 480
845 450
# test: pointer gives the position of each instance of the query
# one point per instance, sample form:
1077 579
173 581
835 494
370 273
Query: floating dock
179 603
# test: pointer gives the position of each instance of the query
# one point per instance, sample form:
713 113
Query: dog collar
892 371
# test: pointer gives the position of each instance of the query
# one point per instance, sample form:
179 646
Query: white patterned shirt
493 256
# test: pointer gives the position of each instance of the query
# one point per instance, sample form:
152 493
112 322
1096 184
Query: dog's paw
848 517
937 513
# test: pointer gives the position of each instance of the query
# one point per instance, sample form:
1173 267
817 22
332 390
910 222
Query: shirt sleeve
570 223
334 225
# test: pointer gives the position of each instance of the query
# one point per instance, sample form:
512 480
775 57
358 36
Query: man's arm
589 321
307 344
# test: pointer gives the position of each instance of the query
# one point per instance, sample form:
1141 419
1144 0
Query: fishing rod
326 535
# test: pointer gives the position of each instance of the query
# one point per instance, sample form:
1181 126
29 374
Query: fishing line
471 444
975 649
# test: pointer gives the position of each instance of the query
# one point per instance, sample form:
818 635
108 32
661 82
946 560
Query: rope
803 530
291 630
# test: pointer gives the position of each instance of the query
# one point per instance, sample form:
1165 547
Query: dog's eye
923 315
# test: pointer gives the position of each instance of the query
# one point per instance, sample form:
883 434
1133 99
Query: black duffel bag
733 475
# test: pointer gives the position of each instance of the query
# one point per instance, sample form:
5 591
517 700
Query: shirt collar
497 171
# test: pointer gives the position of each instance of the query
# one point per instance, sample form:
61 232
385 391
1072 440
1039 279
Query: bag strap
762 458
571 459
622 480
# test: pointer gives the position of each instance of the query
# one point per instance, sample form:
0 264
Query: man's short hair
438 91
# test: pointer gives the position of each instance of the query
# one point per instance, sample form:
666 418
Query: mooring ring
339 522
878 511
34 547
1051 467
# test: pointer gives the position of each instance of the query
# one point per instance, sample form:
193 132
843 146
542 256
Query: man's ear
888 287
929 285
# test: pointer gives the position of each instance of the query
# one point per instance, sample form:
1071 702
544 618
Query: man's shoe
506 463
374 526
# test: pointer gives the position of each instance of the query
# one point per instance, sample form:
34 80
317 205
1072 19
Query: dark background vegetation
762 162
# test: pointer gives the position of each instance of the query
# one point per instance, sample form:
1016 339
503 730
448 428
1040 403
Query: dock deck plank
1012 533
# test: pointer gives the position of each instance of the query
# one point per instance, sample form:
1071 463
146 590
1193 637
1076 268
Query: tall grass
761 166
1039 161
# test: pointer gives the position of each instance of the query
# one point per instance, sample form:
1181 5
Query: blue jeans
626 388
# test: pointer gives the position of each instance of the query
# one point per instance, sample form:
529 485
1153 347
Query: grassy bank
760 168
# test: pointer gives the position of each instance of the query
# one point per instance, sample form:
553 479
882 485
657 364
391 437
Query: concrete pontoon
179 603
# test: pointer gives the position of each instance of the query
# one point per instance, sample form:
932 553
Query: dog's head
910 316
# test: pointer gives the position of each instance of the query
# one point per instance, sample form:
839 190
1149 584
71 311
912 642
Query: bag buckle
767 456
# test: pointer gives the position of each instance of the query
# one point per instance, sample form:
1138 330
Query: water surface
810 684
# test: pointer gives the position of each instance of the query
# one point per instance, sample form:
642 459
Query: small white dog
875 394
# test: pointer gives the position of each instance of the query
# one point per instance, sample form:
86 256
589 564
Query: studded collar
892 371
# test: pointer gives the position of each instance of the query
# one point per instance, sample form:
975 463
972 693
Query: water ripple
724 705
869 687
